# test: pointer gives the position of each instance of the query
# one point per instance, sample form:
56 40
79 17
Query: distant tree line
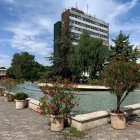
90 55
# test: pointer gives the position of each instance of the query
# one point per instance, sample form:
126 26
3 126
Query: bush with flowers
59 97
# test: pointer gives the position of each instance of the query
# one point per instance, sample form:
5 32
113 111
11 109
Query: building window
88 26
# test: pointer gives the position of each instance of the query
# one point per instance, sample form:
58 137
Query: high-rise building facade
78 21
57 35
75 21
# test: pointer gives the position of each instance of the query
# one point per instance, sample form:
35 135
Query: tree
89 56
64 48
123 48
122 77
25 67
47 73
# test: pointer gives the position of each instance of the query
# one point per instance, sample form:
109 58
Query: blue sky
27 25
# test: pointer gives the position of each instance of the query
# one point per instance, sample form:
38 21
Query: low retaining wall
33 104
132 109
91 120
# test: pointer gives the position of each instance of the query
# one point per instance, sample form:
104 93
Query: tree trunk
118 104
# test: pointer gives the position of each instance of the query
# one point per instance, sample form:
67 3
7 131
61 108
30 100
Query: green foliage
43 106
48 72
21 96
122 77
63 49
90 55
59 97
123 48
25 67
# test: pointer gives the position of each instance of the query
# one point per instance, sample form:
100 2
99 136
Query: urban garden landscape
90 89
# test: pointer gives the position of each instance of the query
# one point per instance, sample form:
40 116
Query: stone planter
20 104
118 121
57 123
2 92
9 97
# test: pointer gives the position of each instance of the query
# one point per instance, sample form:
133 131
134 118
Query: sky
27 25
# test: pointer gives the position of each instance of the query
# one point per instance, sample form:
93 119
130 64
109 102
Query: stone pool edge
90 120
81 86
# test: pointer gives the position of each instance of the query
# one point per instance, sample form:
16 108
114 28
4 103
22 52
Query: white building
79 21
3 72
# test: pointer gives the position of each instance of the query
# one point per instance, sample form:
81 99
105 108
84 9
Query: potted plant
58 101
20 99
9 97
122 77
2 92
8 84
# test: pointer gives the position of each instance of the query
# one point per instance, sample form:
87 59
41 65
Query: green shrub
122 77
21 96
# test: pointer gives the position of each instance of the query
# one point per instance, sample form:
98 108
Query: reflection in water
89 101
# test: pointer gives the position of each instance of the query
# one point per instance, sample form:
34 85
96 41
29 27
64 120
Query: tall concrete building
57 35
78 21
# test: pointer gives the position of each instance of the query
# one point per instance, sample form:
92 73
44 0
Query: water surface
89 101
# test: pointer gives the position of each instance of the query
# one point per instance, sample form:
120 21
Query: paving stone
28 125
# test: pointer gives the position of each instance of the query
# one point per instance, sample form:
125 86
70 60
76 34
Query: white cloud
46 23
33 29
26 38
43 61
5 61
9 1
31 44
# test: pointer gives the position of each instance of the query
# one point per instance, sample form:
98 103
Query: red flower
48 80
50 94
60 102
78 90
63 101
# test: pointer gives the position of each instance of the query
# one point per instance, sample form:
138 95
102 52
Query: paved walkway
28 125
